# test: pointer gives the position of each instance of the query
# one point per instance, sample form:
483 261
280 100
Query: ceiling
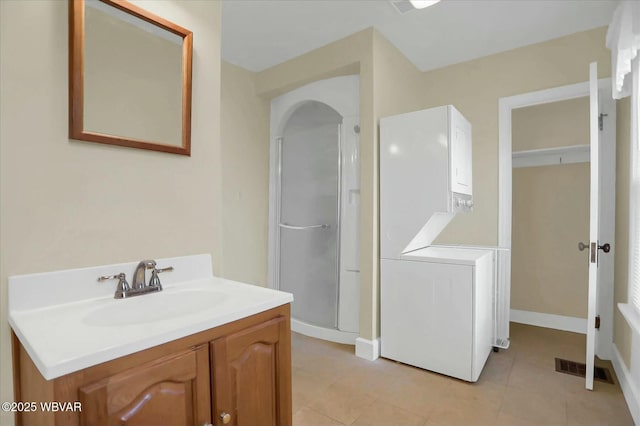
258 34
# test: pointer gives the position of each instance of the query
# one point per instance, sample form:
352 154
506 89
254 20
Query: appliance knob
469 203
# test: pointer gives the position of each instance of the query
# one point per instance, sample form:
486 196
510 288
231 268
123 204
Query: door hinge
601 120
597 322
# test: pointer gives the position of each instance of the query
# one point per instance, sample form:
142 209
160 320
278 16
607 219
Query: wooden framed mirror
129 77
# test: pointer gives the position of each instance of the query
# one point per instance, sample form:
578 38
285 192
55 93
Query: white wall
69 204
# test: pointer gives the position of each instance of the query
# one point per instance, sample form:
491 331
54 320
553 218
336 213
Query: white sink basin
162 306
68 321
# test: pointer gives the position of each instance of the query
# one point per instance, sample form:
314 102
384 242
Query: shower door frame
341 94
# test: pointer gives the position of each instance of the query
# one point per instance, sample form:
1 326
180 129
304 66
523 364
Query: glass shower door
309 212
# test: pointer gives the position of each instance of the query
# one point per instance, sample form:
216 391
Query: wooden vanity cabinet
236 374
172 390
246 383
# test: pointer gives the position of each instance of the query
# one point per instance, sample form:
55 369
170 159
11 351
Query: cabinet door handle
225 417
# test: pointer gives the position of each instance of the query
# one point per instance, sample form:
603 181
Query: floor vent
578 369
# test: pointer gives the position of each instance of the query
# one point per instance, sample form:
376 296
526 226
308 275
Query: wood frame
76 78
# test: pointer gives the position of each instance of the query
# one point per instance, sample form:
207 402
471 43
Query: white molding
505 171
332 335
606 268
558 322
368 349
502 297
629 390
631 316
551 156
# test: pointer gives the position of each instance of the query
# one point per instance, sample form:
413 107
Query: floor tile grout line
325 415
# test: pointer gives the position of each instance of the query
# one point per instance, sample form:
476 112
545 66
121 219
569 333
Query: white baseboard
558 322
631 393
368 349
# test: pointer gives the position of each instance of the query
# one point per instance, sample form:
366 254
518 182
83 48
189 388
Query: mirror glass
133 78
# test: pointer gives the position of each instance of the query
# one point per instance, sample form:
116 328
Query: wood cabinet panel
163 392
251 375
175 383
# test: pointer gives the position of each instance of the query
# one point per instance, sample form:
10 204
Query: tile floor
519 386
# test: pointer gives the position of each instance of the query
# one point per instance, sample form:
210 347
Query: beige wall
621 330
550 216
475 87
132 80
68 204
343 57
552 125
550 212
245 176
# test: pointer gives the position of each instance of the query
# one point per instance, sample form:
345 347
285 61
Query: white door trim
505 168
594 225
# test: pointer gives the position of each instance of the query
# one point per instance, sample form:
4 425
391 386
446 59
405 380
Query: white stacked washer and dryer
436 301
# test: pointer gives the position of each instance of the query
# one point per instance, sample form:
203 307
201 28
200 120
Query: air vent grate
402 6
578 369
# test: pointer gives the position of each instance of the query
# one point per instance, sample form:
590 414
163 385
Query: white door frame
506 105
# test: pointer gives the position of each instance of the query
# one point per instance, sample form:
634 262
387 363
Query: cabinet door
252 376
172 390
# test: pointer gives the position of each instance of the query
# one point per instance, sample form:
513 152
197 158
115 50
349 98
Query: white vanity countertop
67 321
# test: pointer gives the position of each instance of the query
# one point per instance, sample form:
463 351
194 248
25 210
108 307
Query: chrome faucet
139 286
139 274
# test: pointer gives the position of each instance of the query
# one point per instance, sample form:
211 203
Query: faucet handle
109 277
123 285
155 279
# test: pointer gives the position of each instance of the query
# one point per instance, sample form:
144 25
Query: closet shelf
551 156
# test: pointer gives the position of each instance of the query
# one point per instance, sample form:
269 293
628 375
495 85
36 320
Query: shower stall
314 206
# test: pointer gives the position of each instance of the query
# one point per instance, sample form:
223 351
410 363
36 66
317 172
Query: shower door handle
287 226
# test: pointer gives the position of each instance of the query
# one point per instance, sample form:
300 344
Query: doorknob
605 247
